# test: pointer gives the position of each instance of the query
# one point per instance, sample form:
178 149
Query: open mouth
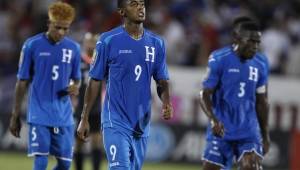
141 14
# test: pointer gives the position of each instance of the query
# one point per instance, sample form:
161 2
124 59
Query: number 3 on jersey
138 72
242 89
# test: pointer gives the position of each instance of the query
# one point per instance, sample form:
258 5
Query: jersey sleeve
25 62
76 73
212 76
98 68
263 78
161 70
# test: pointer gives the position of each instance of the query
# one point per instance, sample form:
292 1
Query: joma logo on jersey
67 55
150 54
253 73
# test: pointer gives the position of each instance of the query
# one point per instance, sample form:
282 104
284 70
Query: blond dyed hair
61 11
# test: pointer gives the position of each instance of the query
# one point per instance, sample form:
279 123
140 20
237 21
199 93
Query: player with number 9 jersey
128 65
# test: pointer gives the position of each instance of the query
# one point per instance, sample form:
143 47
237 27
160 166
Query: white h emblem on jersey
253 73
67 55
148 54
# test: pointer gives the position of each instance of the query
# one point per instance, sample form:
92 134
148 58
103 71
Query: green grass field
20 161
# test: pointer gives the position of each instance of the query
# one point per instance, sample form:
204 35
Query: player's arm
262 110
206 105
162 87
90 96
15 122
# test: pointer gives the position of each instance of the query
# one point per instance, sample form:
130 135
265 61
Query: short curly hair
61 11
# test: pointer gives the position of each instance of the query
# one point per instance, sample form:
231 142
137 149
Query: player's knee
40 162
210 166
62 165
250 162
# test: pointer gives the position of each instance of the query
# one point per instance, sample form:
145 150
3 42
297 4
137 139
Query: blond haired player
49 62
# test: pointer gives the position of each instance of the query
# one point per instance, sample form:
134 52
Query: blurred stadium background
191 29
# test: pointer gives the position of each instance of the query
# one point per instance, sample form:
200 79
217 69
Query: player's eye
133 4
63 28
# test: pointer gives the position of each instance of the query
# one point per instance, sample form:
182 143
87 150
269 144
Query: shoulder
31 41
262 57
154 37
220 54
72 43
262 60
106 37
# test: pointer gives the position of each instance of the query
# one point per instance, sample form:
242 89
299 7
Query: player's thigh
250 161
38 140
118 148
249 154
218 152
62 140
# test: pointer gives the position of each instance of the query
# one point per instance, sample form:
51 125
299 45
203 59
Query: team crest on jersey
150 54
67 55
253 73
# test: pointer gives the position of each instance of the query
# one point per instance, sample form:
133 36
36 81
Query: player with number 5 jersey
49 62
127 58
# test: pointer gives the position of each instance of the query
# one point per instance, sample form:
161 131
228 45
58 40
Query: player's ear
121 12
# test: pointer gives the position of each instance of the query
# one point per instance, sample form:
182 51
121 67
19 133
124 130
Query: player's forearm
90 96
163 91
262 109
20 91
206 104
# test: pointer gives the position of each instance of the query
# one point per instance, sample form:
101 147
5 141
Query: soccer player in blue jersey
49 62
127 58
235 101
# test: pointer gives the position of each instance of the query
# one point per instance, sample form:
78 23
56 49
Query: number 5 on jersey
55 74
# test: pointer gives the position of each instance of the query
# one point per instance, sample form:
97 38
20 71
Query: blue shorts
57 141
124 151
222 152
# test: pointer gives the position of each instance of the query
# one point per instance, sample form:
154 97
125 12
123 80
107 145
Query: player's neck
135 30
51 40
238 53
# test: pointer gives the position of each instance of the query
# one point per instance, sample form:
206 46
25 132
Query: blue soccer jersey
236 83
128 65
49 67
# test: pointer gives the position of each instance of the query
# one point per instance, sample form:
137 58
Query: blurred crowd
191 28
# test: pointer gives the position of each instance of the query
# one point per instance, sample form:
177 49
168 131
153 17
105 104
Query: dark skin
133 12
56 31
248 43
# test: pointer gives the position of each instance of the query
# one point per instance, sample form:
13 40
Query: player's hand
217 128
73 89
167 111
83 129
15 125
266 145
